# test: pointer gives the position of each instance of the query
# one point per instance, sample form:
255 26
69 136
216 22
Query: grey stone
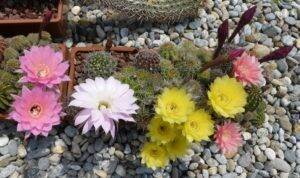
200 42
244 160
179 28
8 170
285 123
124 32
71 131
270 16
290 20
144 170
212 162
189 36
38 153
221 158
11 148
281 165
288 40
229 175
290 156
282 65
43 163
100 32
121 171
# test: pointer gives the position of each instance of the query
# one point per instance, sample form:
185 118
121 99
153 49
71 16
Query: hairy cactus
10 53
254 98
168 70
19 43
99 64
168 51
7 77
5 95
147 59
33 38
145 85
156 10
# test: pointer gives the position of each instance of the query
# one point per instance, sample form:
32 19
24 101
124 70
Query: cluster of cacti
99 64
156 10
147 59
168 51
145 85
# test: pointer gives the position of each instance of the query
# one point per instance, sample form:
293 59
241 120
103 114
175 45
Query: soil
26 9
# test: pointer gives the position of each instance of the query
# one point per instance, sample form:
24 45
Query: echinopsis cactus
147 59
99 64
156 10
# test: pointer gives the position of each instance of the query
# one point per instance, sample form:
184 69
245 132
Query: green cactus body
19 43
5 96
12 65
254 98
33 38
10 53
168 51
99 64
156 10
168 70
259 113
145 85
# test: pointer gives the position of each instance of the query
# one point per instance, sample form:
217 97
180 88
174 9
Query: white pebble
271 155
246 135
4 140
76 10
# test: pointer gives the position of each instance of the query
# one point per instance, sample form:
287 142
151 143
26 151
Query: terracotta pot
62 87
92 48
23 26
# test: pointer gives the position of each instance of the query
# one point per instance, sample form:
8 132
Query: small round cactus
99 64
254 98
19 43
168 51
10 53
147 59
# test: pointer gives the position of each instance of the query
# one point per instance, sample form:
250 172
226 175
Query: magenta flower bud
277 54
223 33
245 19
235 53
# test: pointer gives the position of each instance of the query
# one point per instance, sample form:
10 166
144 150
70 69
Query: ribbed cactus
99 64
168 51
5 95
33 38
19 43
259 114
147 59
156 10
254 98
10 53
2 48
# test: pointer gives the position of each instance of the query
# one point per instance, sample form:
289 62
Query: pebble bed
270 151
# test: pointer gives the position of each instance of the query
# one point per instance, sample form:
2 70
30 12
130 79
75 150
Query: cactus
147 59
19 43
2 48
254 98
260 114
168 51
168 70
33 38
10 53
156 10
12 65
7 77
99 64
5 95
145 85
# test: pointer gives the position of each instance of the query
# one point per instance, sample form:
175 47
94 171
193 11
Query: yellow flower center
172 108
194 125
154 153
223 98
103 105
35 110
43 71
163 129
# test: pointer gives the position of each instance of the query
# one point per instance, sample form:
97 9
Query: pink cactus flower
105 102
36 111
43 66
228 137
247 70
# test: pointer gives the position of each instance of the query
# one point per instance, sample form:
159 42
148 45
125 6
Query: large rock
281 165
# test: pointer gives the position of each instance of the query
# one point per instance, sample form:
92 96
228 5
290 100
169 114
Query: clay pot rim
33 21
91 48
62 87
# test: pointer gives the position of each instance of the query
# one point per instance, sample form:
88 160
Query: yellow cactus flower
161 131
227 96
174 104
199 126
154 155
178 147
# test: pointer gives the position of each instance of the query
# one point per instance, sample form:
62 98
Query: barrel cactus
156 10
